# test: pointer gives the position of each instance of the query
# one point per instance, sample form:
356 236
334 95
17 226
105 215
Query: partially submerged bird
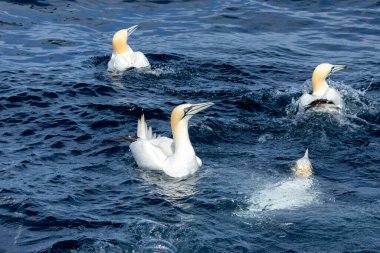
176 157
323 98
123 57
303 167
289 193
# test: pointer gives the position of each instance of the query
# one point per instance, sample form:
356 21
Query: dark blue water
68 185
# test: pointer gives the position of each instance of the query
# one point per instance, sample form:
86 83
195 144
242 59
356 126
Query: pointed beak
336 68
195 108
131 29
306 153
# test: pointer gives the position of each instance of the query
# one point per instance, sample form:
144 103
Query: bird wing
165 144
120 62
330 101
139 60
321 104
334 96
148 155
143 131
305 100
150 150
199 161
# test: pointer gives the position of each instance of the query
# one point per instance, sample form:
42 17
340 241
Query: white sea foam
158 71
291 193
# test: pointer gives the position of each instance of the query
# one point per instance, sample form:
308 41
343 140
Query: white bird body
303 167
123 57
290 193
124 61
176 157
323 98
329 101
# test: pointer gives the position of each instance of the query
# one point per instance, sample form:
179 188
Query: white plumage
176 157
123 57
323 98
122 62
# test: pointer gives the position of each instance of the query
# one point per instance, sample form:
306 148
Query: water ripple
69 185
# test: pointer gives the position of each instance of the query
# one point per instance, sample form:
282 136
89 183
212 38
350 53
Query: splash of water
291 193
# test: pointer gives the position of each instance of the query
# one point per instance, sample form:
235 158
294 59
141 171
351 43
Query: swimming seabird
303 167
123 56
176 157
323 98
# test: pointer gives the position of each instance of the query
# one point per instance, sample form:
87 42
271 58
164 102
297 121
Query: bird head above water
321 72
182 114
120 39
303 167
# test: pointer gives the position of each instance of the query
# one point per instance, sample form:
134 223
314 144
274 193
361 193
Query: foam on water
291 193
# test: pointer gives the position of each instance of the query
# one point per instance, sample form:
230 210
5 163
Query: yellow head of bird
182 113
120 39
321 72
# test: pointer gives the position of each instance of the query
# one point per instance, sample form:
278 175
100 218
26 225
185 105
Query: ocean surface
68 184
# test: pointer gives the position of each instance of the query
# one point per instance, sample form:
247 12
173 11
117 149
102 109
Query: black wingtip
126 138
318 103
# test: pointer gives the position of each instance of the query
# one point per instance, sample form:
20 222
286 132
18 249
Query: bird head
303 167
120 39
321 72
183 113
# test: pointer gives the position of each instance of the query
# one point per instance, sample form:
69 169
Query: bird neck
121 47
320 85
181 138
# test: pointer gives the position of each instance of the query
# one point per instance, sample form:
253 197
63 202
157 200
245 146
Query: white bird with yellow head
176 157
123 57
323 98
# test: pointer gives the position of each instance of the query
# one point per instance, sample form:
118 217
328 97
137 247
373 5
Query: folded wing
150 150
321 104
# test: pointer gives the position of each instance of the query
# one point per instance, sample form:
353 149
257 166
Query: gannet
123 56
303 167
176 157
323 98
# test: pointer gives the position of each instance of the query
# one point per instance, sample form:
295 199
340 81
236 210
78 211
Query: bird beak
131 29
194 109
306 153
336 68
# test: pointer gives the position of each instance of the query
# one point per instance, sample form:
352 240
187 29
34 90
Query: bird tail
143 131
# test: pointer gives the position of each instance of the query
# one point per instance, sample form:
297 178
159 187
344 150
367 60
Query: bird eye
187 109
